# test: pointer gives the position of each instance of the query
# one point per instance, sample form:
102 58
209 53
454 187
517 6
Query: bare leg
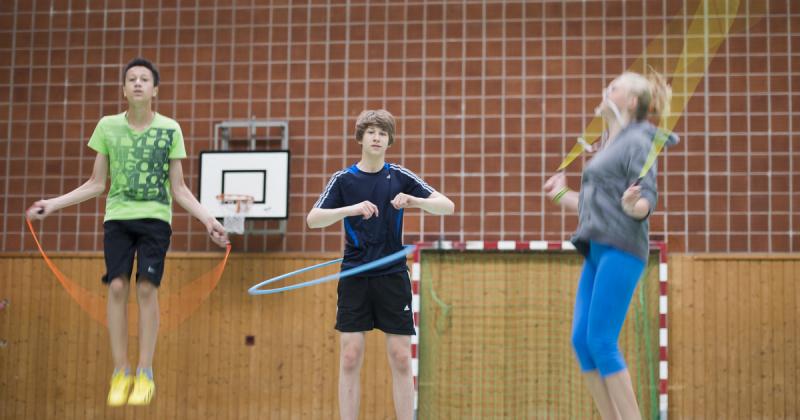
147 296
398 348
350 359
597 387
620 389
118 321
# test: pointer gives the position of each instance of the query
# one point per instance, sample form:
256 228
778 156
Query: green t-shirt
139 166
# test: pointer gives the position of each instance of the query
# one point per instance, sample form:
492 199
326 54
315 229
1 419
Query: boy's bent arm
184 197
320 218
436 203
95 186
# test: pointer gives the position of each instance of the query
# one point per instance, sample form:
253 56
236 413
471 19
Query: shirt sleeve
178 149
636 161
415 185
331 197
98 140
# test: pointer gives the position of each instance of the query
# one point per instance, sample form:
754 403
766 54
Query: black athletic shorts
148 239
382 302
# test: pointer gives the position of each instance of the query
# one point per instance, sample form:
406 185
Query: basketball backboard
264 175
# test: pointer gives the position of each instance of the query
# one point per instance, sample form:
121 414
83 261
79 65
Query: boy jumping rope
141 149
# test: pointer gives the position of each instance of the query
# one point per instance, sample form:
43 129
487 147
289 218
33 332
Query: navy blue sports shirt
376 237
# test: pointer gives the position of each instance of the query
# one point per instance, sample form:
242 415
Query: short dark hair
141 62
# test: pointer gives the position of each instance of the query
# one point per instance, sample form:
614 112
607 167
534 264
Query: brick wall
489 97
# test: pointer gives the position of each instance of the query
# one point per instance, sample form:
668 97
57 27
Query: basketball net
236 207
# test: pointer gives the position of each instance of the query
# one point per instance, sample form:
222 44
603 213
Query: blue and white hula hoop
256 290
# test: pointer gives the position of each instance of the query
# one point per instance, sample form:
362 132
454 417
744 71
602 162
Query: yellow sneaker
143 390
120 386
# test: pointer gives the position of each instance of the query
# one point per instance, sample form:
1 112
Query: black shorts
382 302
146 238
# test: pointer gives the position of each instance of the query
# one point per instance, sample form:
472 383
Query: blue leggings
604 293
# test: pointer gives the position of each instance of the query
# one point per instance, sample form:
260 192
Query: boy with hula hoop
370 197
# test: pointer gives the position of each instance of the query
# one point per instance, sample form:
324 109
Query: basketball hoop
236 208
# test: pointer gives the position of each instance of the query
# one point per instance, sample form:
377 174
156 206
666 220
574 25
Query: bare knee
145 290
351 357
400 358
118 289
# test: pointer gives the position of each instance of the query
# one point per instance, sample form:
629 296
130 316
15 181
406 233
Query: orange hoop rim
242 201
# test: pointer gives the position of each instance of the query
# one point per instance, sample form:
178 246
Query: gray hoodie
606 177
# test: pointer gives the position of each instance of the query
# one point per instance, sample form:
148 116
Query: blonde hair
652 92
380 118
